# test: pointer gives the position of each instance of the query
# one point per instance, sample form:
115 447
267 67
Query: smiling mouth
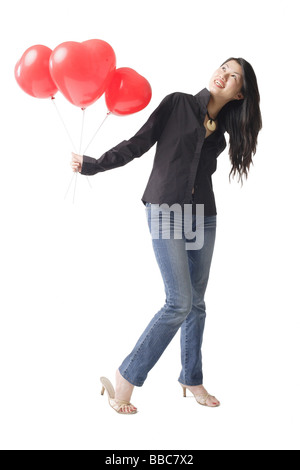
219 83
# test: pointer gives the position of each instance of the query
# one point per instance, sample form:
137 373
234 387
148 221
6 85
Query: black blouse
184 158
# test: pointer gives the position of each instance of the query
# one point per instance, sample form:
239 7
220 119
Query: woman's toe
215 402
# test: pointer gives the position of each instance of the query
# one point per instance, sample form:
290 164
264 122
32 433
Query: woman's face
227 81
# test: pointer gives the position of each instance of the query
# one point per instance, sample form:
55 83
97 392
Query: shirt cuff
88 166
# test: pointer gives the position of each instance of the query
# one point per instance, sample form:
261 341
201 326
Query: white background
79 282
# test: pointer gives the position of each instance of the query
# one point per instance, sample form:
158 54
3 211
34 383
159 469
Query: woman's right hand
76 162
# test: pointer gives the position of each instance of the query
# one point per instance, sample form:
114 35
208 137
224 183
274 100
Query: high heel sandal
118 405
201 399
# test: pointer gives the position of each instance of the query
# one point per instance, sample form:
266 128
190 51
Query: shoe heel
103 390
184 390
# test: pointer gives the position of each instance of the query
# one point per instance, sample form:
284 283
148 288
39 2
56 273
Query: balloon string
87 178
75 187
80 145
97 131
70 184
63 123
81 136
70 138
107 114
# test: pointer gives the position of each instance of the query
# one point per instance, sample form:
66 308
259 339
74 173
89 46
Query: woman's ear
239 96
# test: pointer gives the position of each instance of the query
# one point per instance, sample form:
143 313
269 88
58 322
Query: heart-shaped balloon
32 72
83 71
128 92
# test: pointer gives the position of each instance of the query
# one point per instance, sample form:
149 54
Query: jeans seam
162 313
142 344
185 352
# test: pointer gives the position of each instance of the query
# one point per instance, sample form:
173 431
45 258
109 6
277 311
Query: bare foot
201 393
124 391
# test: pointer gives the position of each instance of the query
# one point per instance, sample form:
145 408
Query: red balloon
32 72
82 71
128 92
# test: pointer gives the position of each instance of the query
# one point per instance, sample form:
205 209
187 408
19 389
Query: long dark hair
243 121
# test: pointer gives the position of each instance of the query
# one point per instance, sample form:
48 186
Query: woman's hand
76 162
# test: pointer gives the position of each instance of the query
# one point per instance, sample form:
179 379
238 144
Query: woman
189 132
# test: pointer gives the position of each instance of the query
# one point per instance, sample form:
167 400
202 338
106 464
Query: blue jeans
185 274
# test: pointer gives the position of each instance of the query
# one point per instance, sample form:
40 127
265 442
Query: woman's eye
234 76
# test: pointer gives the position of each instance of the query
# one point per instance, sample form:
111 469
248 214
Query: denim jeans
185 275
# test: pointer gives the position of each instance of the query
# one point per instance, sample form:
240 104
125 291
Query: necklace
211 125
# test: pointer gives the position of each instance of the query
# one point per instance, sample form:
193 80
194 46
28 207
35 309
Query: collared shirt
184 158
